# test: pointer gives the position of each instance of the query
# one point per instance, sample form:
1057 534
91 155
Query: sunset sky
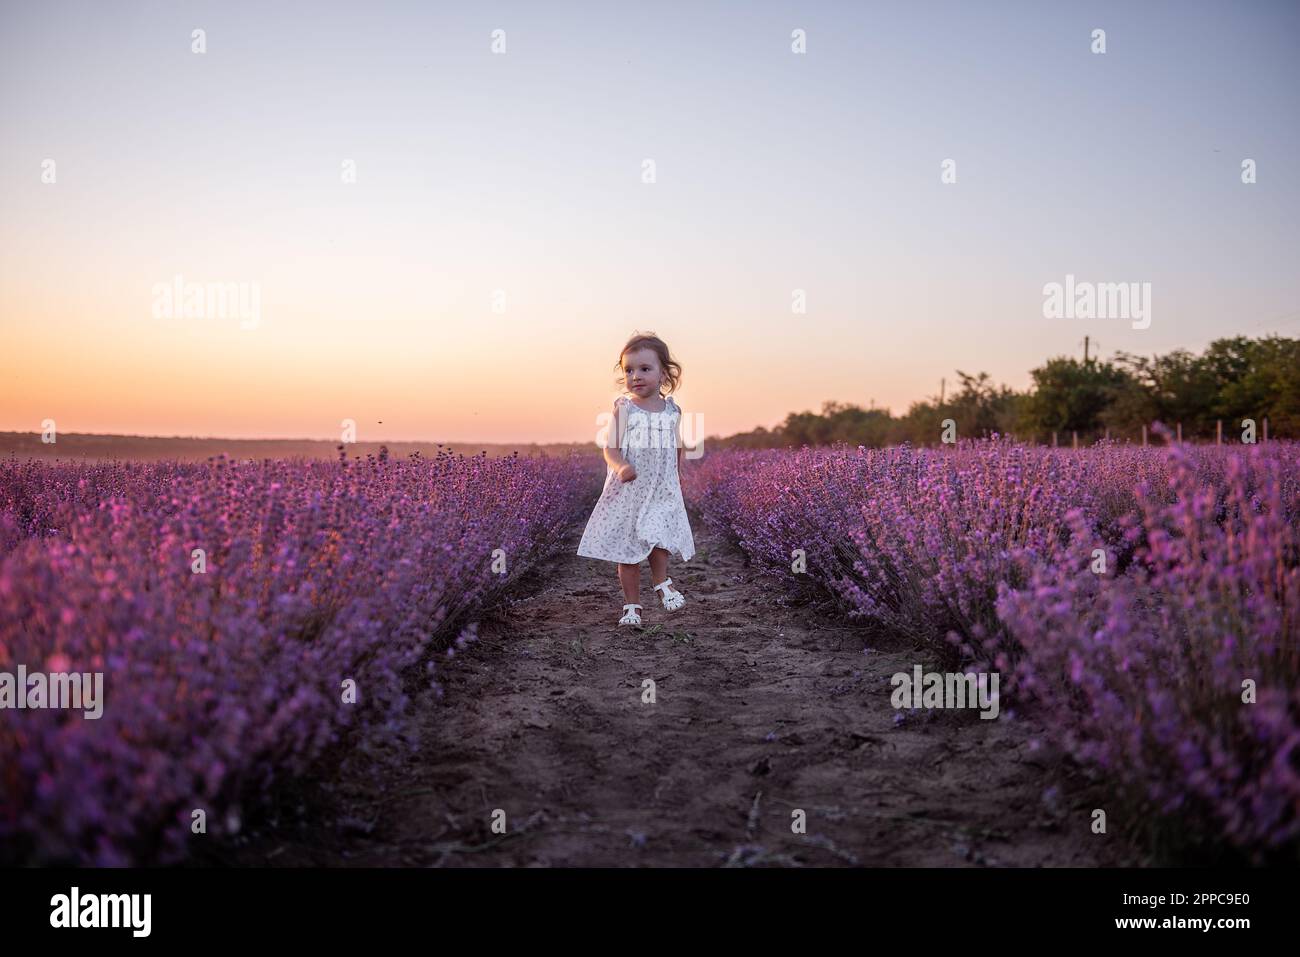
522 172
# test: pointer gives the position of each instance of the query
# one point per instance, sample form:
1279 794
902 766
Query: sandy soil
761 709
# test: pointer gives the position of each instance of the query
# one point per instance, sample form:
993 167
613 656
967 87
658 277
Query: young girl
640 513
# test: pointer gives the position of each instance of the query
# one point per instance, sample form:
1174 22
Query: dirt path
761 709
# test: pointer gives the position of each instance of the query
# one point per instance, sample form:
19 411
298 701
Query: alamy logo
102 910
1098 300
179 299
58 689
638 435
946 690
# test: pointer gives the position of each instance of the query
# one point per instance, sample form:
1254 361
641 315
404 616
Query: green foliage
1234 379
1071 396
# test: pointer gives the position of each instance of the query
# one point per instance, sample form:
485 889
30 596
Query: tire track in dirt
761 709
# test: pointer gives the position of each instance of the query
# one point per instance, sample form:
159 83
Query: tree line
1232 380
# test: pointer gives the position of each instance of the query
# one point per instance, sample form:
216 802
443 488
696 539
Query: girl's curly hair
671 367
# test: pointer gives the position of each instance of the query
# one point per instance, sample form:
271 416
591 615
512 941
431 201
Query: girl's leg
629 576
659 564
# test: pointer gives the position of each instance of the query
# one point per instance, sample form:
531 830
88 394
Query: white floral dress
631 518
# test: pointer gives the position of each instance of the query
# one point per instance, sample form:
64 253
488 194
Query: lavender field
254 621
1141 604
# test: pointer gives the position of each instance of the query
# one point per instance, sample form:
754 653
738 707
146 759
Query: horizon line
237 438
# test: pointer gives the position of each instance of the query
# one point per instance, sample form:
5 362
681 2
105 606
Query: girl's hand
627 473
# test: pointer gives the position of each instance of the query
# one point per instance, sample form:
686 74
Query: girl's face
641 372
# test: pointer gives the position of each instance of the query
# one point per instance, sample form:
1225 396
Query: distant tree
1070 395
980 408
921 424
1180 385
806 428
1256 378
856 425
1131 407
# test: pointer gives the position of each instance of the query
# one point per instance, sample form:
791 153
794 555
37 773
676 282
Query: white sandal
630 616
672 598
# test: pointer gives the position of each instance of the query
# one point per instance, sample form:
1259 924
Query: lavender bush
1181 677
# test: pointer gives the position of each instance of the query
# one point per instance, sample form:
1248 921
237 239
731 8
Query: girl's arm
615 459
613 451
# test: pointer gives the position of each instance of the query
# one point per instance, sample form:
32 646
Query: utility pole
941 385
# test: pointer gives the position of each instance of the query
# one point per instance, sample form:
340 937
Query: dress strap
626 417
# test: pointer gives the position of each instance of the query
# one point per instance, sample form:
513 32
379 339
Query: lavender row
1145 603
246 619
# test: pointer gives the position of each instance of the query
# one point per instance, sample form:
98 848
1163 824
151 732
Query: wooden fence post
1144 436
